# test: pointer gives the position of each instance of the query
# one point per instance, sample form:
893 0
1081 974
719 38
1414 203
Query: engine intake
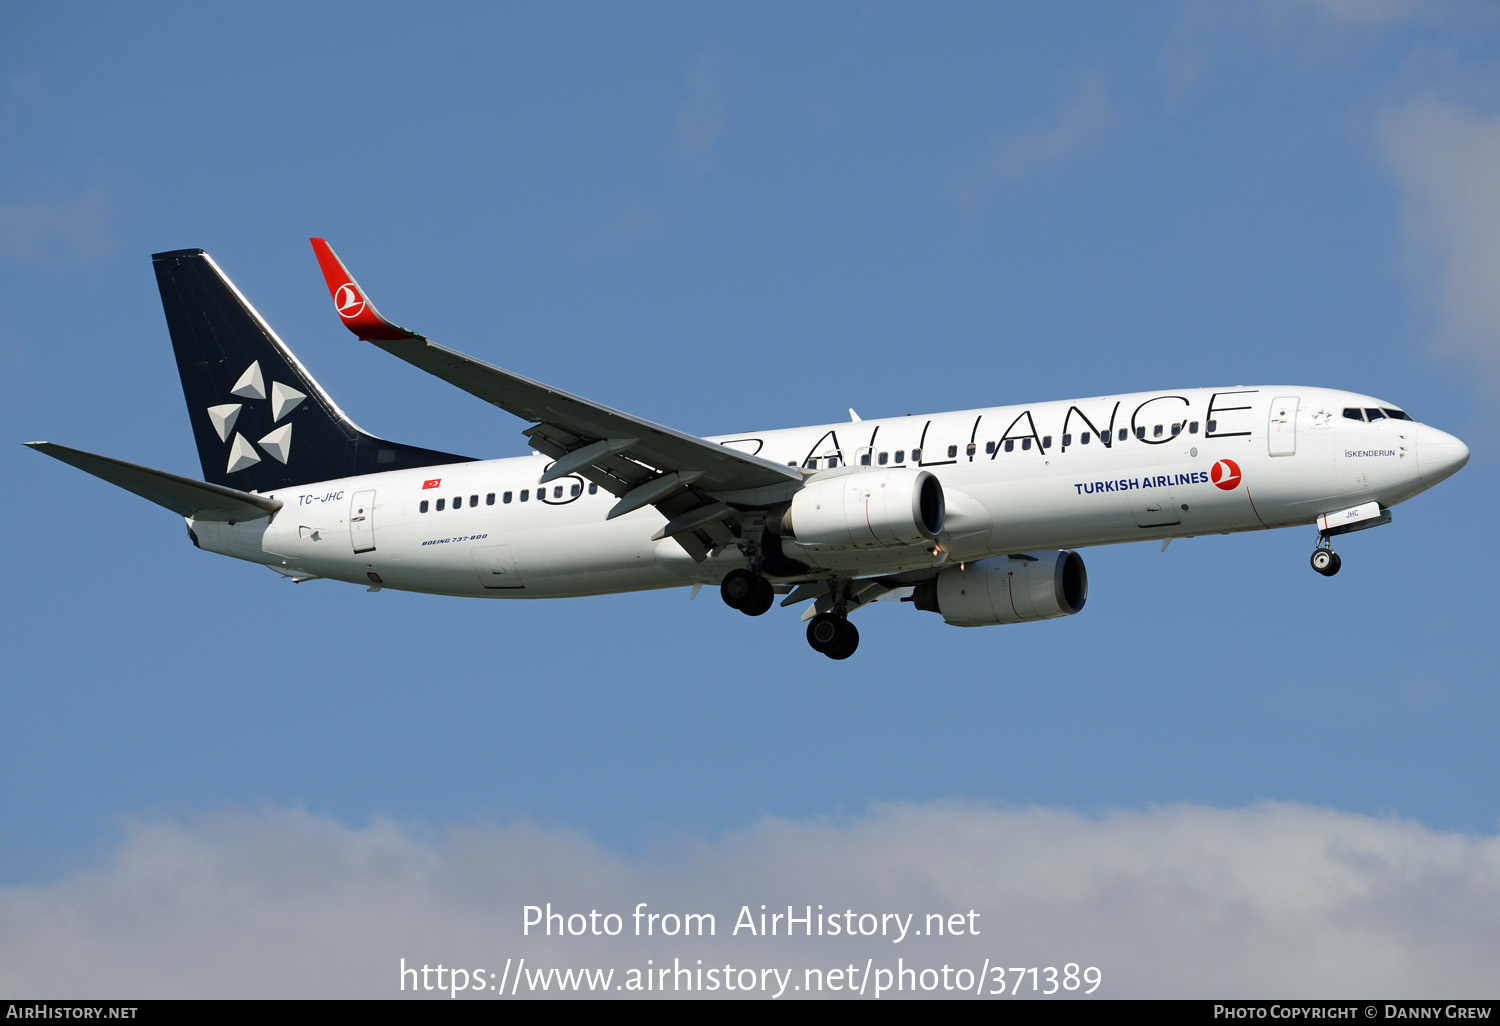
996 591
867 510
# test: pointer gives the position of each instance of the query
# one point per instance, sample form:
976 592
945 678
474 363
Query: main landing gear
830 633
1324 560
750 593
833 635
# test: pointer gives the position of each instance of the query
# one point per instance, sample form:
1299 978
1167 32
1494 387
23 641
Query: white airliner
972 515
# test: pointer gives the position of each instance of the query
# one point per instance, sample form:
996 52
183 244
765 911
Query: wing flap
659 447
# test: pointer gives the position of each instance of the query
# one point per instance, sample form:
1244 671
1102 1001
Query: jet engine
1013 590
866 510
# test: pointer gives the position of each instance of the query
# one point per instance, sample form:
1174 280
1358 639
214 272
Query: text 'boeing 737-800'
972 515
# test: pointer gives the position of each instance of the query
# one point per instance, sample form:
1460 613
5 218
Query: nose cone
1439 455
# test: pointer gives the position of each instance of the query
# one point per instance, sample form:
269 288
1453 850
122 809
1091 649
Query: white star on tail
251 385
223 418
241 455
284 400
278 444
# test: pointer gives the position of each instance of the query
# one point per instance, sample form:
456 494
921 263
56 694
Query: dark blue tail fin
260 420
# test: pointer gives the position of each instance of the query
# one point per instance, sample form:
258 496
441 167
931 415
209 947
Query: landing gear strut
833 635
748 592
1324 560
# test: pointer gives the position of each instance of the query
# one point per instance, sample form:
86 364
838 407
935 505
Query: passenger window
864 459
1156 431
525 494
576 490
557 491
506 498
970 449
952 451
916 455
883 457
1010 445
458 502
489 500
440 505
1046 441
1213 426
1124 434
1026 444
989 448
1177 429
473 500
424 506
1086 437
1067 441
593 489
1193 428
900 455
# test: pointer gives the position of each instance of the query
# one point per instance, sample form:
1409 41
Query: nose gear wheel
1324 560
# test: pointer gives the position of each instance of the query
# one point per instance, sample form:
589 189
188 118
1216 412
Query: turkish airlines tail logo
1226 474
348 300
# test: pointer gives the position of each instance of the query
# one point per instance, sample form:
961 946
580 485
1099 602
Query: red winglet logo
348 300
351 302
433 483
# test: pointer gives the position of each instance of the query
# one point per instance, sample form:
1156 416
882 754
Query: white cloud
1370 12
1275 900
1073 126
41 232
620 232
701 118
23 93
1069 129
1447 162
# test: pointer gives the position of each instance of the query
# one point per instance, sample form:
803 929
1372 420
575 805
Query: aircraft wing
182 495
641 462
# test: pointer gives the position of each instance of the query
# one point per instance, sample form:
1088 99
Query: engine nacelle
995 591
867 510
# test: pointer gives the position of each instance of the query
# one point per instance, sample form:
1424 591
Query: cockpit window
1395 414
1353 413
1373 414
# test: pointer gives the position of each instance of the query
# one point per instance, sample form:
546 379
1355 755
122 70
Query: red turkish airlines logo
348 300
432 484
1225 474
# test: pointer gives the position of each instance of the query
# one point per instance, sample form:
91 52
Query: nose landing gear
1324 560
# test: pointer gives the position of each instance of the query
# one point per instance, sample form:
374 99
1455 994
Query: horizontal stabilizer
182 495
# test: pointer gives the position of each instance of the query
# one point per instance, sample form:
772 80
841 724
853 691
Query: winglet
354 307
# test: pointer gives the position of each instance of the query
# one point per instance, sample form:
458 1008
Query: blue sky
727 218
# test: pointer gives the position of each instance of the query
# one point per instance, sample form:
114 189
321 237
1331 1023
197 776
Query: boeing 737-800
973 515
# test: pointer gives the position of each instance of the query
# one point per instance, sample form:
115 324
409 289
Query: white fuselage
1015 478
